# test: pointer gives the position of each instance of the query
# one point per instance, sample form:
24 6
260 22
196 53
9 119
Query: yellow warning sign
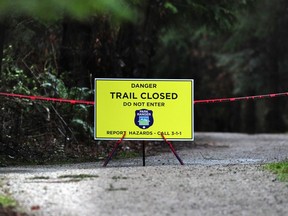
144 108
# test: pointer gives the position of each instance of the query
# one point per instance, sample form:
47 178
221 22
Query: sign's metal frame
149 80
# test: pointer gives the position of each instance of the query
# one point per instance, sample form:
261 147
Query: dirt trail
222 175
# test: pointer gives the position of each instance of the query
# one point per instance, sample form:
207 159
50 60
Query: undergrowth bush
40 131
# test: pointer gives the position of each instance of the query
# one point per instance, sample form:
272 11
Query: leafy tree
56 9
186 48
258 58
2 35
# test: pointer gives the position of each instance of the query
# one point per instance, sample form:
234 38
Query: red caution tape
74 102
222 100
58 100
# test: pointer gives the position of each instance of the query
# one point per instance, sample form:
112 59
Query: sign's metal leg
113 150
175 153
172 149
143 152
111 154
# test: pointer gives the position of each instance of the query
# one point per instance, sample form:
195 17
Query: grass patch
126 155
80 176
7 201
119 177
280 169
112 188
40 178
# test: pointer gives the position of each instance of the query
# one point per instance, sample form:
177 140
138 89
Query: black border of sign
149 139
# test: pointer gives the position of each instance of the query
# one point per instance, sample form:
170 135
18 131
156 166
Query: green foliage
29 81
53 85
194 29
56 9
82 127
217 15
171 7
280 169
14 79
7 201
244 66
258 21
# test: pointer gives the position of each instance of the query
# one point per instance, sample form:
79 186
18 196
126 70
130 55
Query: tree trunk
2 37
75 53
276 55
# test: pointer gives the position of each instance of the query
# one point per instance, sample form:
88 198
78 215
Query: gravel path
222 176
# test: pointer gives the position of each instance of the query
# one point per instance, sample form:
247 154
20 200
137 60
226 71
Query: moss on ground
280 169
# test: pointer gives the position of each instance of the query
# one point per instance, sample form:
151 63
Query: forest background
56 49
